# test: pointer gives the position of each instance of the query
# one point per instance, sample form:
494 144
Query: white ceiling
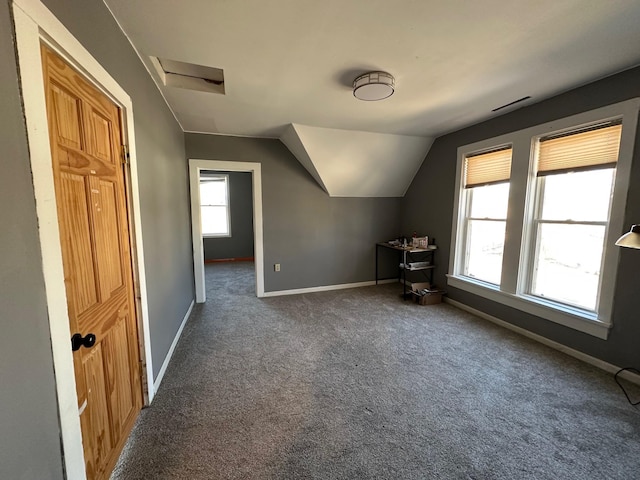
293 61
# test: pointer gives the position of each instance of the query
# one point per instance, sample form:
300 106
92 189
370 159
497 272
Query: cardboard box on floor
429 298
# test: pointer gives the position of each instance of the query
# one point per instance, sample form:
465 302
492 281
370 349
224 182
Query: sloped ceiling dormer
348 163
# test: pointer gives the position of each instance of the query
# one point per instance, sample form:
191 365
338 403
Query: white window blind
487 168
585 150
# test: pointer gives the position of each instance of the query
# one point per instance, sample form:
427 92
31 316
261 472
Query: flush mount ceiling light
374 86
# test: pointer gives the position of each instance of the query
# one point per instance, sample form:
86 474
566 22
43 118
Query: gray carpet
357 384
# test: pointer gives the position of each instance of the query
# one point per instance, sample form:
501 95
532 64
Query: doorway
196 168
227 216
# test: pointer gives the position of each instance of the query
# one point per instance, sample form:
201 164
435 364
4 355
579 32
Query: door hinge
125 154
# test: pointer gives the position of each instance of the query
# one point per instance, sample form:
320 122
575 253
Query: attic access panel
189 75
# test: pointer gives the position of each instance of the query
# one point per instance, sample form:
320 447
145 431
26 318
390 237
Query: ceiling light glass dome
374 86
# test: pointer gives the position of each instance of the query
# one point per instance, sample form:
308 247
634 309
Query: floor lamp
631 239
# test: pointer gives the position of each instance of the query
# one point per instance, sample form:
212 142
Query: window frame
227 204
517 257
536 221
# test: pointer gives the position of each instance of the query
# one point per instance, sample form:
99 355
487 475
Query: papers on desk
397 244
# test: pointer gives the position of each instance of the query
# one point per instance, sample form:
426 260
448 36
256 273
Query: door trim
35 23
195 166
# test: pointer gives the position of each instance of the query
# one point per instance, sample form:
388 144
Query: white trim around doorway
34 23
195 167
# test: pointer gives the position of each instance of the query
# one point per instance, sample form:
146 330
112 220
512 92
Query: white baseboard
326 288
167 359
596 362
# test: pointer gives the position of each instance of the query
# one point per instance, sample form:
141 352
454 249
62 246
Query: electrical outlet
276 267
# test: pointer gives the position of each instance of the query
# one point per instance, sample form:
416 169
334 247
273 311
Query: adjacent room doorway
196 168
226 210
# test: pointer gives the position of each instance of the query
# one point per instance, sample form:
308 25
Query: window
540 238
574 186
486 199
214 206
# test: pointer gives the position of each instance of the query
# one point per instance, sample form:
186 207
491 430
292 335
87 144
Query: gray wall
164 184
435 184
318 240
240 244
29 432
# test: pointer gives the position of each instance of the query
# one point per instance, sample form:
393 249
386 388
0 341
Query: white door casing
195 167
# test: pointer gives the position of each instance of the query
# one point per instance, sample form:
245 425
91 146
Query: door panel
109 261
67 110
84 131
99 136
76 219
116 368
96 411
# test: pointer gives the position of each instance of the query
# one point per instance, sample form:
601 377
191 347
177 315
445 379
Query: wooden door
85 138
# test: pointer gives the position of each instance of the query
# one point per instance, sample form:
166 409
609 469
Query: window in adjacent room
214 206
486 198
539 237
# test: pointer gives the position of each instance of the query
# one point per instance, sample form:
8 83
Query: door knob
78 341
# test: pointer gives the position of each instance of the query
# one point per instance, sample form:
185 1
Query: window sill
215 236
568 317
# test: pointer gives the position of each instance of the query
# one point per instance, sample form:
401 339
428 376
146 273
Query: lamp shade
630 239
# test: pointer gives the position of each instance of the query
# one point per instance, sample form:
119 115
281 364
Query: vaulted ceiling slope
293 61
357 164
